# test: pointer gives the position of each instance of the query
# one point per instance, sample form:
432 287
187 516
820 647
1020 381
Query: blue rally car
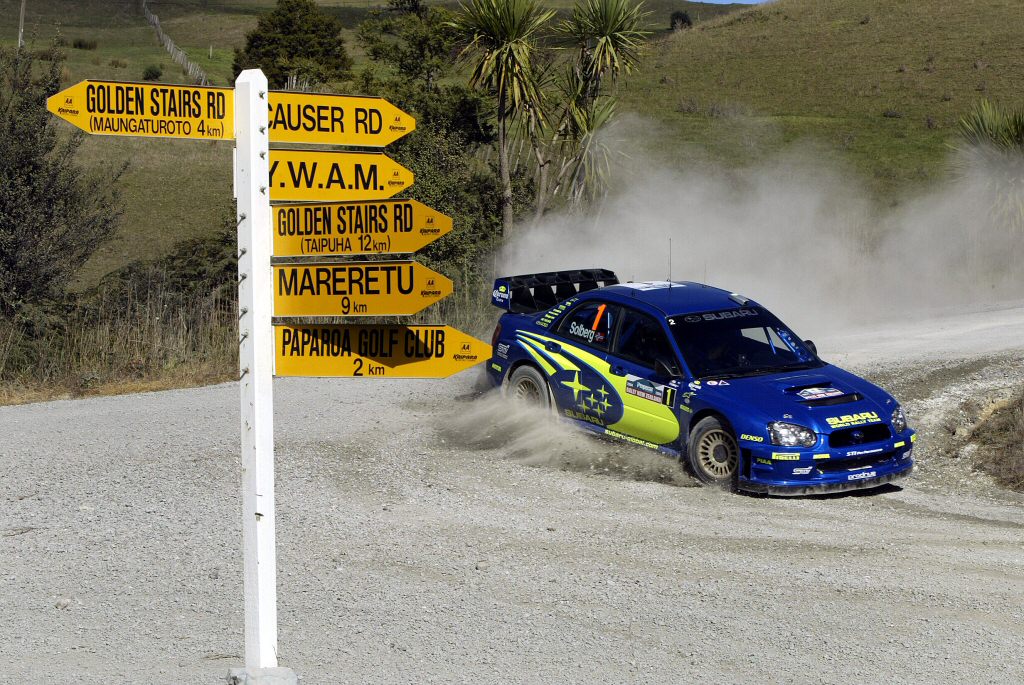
698 373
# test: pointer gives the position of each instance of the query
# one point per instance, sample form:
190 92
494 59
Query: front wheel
528 386
712 453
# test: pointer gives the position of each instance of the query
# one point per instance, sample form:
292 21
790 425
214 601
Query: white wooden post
256 359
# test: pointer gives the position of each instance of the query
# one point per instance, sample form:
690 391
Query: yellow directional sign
335 120
335 176
147 109
351 228
382 351
356 289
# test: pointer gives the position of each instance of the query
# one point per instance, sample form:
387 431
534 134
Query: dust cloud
492 424
799 236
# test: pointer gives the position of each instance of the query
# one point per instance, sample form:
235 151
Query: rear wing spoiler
531 293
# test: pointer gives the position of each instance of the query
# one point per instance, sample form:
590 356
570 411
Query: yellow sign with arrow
357 289
353 228
379 351
155 110
313 175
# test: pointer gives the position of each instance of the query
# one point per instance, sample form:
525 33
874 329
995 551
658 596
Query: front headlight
791 435
899 420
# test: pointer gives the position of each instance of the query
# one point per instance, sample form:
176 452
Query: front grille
845 436
832 465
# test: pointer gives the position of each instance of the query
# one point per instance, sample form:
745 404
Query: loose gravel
428 539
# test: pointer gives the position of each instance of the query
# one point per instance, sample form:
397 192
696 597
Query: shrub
83 44
152 73
52 215
295 38
1000 439
680 20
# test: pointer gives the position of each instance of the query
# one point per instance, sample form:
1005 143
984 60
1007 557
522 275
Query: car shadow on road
886 489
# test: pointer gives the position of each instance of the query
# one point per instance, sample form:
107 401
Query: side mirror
666 369
814 348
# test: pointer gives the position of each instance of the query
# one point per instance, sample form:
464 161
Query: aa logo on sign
430 281
465 347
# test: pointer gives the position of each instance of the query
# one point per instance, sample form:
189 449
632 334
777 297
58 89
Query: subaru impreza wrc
699 373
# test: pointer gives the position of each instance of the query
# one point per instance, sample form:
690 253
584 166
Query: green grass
830 70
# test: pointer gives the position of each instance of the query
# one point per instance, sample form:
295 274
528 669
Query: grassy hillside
879 83
876 84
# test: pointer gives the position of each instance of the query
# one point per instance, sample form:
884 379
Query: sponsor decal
862 475
653 285
586 396
822 456
719 316
751 438
899 444
630 438
913 438
858 453
496 367
847 420
693 385
803 470
648 390
502 350
582 332
762 460
718 382
500 295
785 456
819 393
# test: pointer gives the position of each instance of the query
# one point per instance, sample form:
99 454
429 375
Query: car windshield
739 342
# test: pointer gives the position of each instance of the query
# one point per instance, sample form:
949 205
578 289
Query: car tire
528 385
712 453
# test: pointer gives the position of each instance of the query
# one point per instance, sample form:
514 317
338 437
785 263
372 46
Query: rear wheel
712 452
528 386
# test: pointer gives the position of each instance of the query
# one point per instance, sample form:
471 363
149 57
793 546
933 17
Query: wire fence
191 69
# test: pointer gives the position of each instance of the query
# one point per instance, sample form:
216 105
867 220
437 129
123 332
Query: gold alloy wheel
717 454
526 390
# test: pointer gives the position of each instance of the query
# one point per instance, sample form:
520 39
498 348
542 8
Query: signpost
357 219
314 175
357 289
355 228
376 351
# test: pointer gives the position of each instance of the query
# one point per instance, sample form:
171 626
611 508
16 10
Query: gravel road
425 539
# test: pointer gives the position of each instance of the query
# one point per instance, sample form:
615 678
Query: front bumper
798 489
778 471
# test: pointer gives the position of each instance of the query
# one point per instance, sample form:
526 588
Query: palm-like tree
609 37
993 139
501 37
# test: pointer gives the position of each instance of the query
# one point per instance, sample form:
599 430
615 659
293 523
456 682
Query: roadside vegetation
509 98
1000 441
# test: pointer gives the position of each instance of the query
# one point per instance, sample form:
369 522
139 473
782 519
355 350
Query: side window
642 340
591 323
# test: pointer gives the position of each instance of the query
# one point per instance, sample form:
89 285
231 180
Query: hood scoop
822 395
